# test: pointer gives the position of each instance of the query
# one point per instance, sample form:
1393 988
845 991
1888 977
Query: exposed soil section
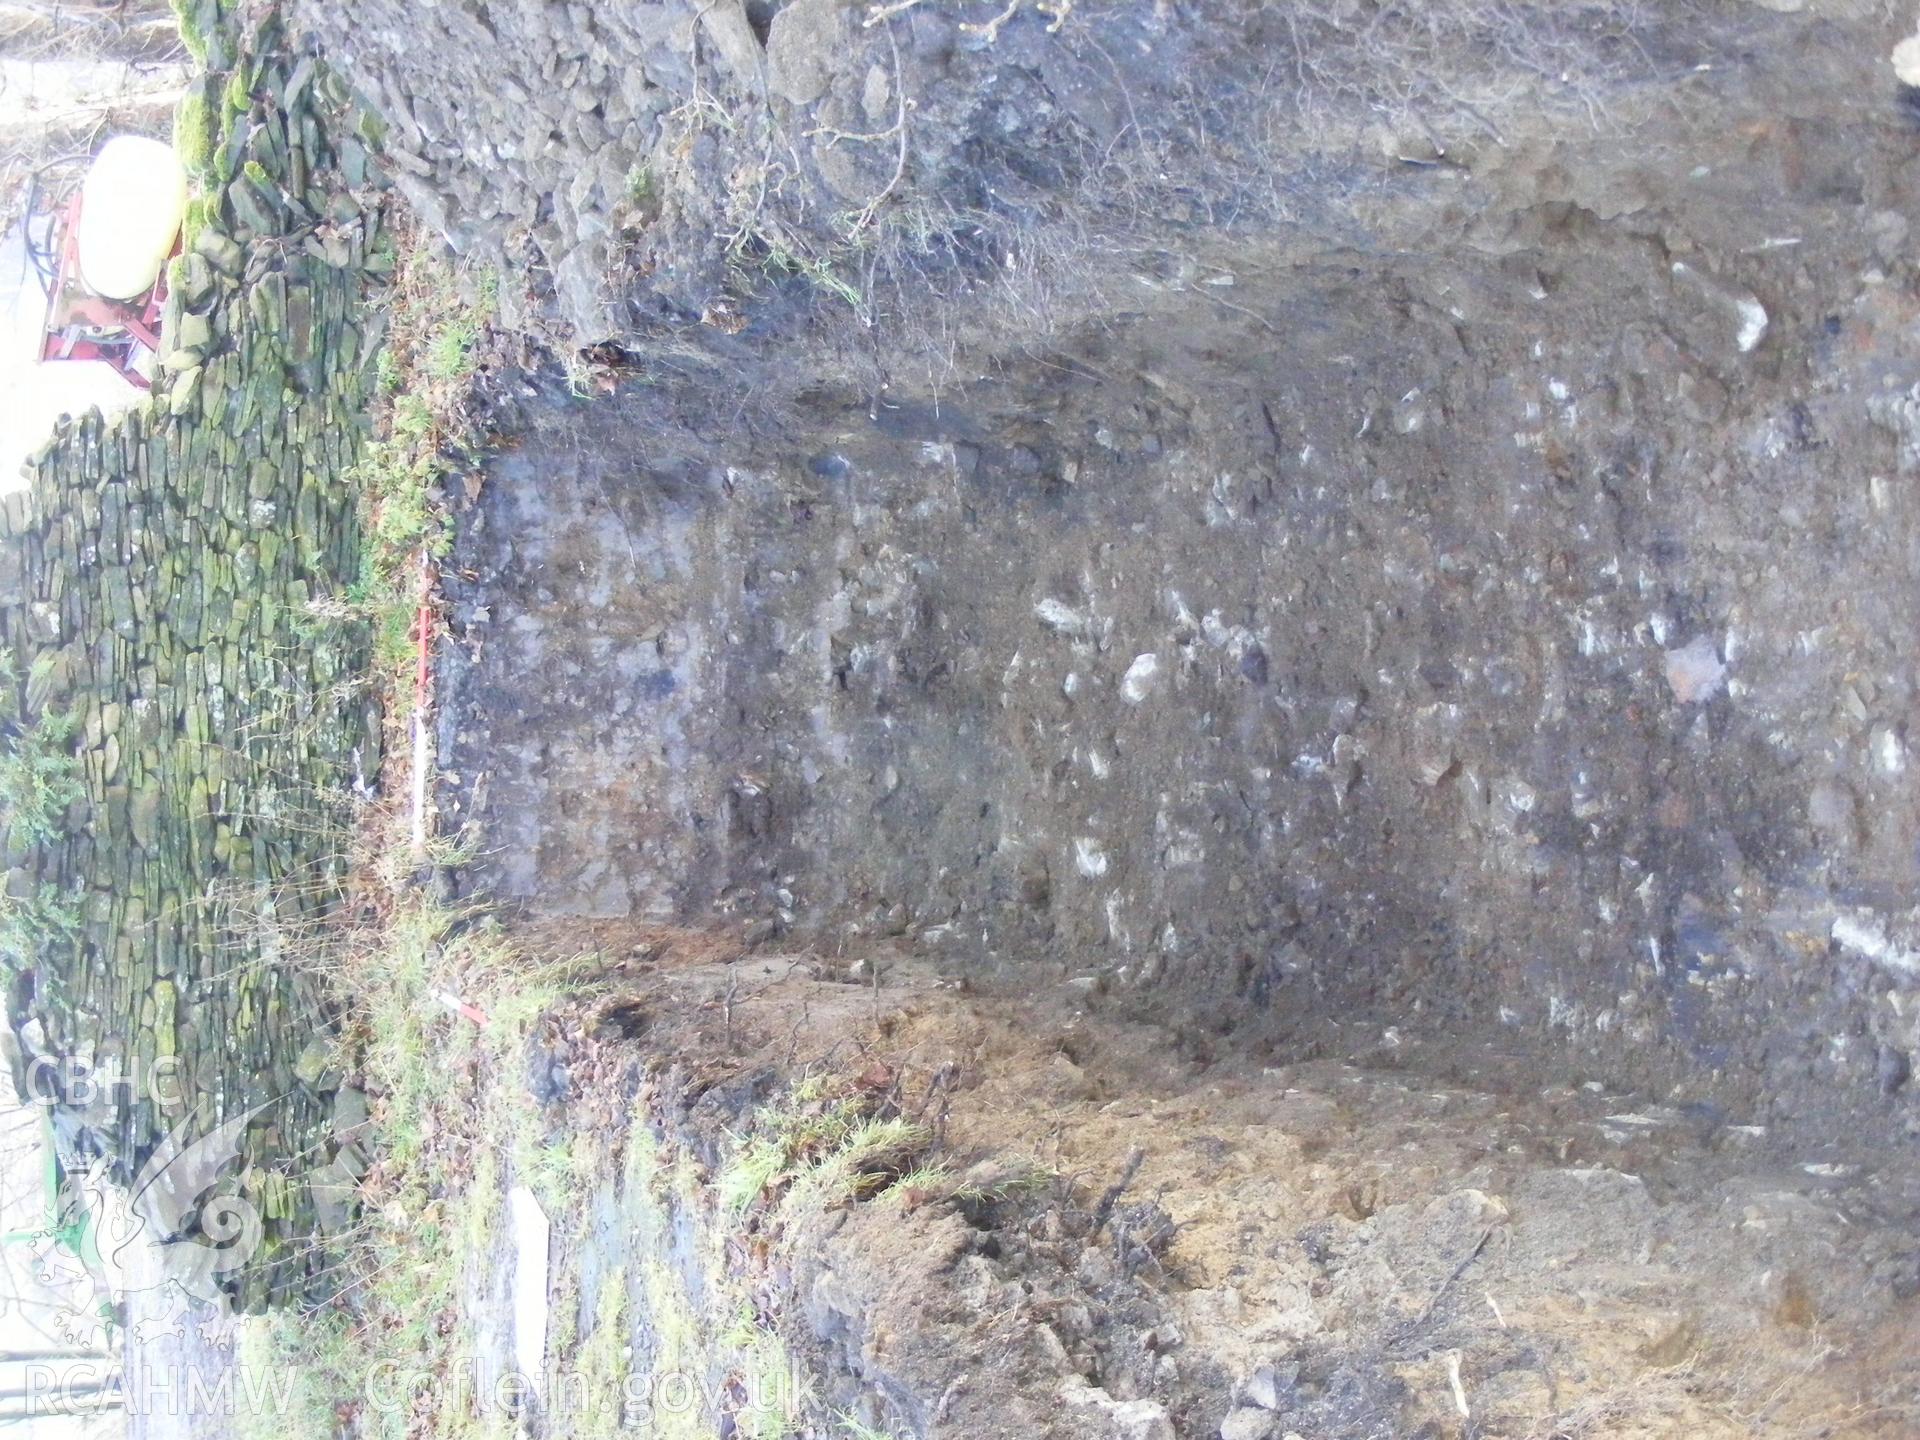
1349 537
1333 653
1218 1248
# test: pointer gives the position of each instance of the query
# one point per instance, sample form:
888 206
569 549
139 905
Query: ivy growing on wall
39 780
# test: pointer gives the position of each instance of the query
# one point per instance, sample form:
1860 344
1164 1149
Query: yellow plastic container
131 206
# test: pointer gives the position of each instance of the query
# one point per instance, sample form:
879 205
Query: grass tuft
755 1168
819 1152
602 1362
437 322
432 1204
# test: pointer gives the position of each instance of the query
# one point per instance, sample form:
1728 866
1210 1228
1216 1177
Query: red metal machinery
83 325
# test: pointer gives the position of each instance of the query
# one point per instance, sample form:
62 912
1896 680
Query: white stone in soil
1142 678
1249 1422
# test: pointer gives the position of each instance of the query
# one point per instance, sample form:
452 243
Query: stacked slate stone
165 581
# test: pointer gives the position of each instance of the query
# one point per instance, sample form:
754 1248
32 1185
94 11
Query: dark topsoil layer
1282 648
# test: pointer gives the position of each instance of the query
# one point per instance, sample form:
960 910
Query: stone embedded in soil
1265 1387
1695 671
1141 680
1459 788
1249 1423
1906 61
1123 1419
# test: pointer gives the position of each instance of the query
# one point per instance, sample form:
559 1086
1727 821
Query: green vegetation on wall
184 716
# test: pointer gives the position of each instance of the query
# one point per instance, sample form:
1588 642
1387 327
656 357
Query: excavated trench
1345 751
1321 655
1444 609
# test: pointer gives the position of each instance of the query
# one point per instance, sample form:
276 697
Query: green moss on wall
182 740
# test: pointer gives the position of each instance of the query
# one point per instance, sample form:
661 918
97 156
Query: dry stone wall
170 583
